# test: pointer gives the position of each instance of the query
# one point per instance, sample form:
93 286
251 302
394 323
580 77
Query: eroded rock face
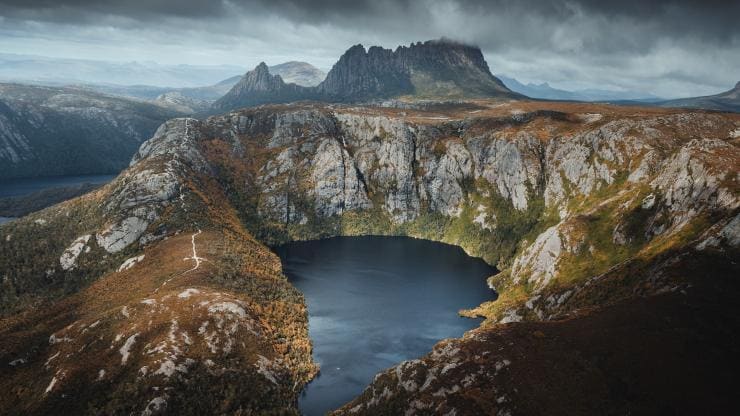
175 139
695 179
118 236
513 165
337 185
539 261
325 163
443 177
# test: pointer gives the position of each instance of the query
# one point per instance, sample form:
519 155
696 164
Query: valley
607 223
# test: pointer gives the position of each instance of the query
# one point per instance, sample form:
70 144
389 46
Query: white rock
68 260
129 263
117 237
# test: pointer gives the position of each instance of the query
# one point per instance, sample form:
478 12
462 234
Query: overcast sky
668 48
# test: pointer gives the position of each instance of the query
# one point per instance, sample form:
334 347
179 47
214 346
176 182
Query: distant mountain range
32 69
432 69
546 92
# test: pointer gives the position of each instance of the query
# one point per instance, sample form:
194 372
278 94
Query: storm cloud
668 48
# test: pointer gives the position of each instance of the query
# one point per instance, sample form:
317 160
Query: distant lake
3 220
376 301
18 187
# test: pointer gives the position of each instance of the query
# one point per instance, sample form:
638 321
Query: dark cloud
695 44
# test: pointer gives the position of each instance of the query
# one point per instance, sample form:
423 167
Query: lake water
3 220
18 187
376 301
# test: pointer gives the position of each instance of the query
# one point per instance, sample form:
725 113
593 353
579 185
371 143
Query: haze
665 48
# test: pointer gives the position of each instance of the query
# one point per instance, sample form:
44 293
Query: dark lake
18 187
376 301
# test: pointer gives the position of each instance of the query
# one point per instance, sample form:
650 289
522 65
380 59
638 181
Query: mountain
726 101
260 87
300 73
432 69
197 99
546 92
616 230
47 131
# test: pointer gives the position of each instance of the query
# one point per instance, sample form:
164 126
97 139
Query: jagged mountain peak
259 86
440 68
262 68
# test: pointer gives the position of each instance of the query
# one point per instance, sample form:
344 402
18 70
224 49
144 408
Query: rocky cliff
432 69
610 225
47 131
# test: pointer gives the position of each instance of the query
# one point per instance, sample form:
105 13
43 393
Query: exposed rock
512 165
68 259
118 236
538 263
337 186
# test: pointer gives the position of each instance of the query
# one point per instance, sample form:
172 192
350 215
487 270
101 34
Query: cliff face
48 131
433 69
594 213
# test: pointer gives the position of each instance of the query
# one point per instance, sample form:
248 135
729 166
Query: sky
667 48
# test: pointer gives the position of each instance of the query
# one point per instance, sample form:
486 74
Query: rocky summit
432 69
616 230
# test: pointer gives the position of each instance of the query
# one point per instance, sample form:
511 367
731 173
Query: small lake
3 220
376 301
25 186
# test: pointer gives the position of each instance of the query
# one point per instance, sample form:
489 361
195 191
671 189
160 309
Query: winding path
195 254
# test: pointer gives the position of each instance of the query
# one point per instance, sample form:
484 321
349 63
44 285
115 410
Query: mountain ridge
51 131
431 69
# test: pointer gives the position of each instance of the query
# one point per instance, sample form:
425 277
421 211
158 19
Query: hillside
439 69
300 73
726 101
616 230
47 131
